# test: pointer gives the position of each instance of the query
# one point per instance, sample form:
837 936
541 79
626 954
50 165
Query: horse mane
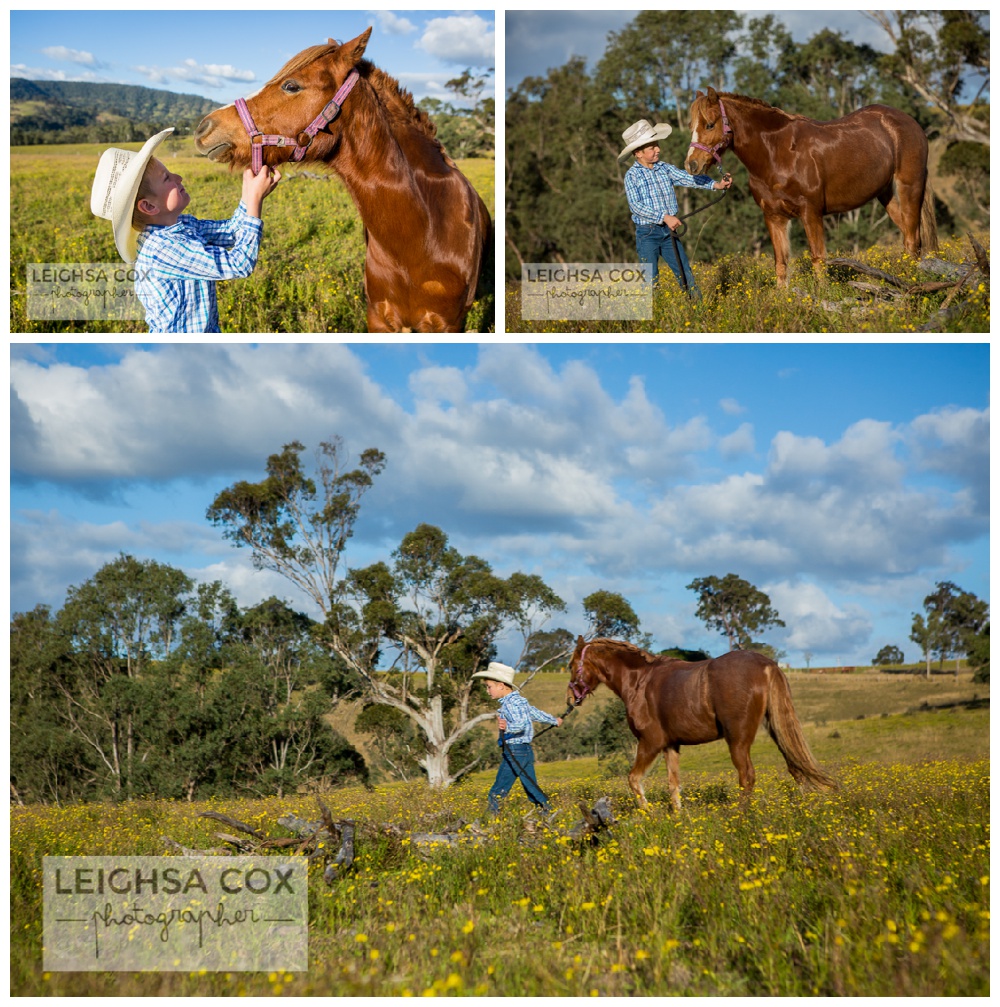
396 100
759 103
624 646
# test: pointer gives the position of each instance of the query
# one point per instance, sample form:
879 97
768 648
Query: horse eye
710 125
290 87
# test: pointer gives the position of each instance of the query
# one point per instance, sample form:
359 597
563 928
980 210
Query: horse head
293 116
711 134
583 677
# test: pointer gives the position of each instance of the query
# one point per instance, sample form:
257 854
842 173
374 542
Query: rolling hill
43 111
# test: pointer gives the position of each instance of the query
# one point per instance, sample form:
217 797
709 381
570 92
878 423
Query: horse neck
384 151
750 122
617 673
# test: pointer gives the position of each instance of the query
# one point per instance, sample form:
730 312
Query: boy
649 188
517 759
177 257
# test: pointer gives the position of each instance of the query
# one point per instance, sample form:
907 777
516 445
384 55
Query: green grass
309 276
879 889
741 295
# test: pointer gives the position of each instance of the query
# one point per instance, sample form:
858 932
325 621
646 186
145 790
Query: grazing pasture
309 277
880 889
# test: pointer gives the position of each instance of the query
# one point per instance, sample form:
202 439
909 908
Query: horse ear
700 94
712 95
355 49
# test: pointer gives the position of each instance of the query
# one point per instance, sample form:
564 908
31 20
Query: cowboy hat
640 133
115 188
497 672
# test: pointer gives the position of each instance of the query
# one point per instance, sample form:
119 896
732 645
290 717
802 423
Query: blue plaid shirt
650 191
519 714
178 266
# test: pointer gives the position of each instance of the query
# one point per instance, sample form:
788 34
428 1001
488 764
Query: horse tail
928 225
783 726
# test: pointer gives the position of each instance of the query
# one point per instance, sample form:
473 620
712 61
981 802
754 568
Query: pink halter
714 151
330 112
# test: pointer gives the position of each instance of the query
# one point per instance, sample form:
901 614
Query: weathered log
233 823
982 256
243 845
344 859
860 267
299 825
949 270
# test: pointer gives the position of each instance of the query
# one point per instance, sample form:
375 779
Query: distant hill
46 111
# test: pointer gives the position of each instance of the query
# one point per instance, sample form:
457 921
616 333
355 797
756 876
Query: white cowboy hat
116 186
497 672
642 132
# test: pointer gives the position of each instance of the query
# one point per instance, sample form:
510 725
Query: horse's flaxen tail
928 225
783 725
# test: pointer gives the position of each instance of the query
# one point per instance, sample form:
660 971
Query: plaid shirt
178 266
519 714
650 191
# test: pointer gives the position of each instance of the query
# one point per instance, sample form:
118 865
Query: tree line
145 683
564 187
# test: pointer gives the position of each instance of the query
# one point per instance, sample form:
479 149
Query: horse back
699 701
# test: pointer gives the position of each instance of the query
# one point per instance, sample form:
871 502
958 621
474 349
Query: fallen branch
860 267
318 840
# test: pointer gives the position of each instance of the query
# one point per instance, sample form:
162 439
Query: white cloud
813 622
392 23
214 75
61 52
464 39
739 442
45 73
731 407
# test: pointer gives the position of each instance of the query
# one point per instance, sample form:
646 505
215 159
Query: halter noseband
330 112
577 686
726 128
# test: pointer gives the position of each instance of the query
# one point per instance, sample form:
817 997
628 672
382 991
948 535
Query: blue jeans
653 241
517 762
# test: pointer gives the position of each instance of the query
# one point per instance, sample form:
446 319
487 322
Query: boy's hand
257 187
501 723
558 721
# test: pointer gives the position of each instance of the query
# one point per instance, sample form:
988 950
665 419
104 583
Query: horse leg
739 752
672 758
645 756
813 224
777 227
903 201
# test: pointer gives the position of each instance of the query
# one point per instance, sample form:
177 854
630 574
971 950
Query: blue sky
222 55
845 480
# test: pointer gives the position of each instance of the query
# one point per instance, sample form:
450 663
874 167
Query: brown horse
427 231
803 168
670 703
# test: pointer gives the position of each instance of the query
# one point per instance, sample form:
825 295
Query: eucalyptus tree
440 612
118 624
937 56
734 607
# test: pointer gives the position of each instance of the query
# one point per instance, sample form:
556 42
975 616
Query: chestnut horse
427 231
803 168
670 703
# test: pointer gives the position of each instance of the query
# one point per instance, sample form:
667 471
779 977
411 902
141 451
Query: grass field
309 276
740 295
878 889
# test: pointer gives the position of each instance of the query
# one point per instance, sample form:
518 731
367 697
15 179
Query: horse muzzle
210 141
